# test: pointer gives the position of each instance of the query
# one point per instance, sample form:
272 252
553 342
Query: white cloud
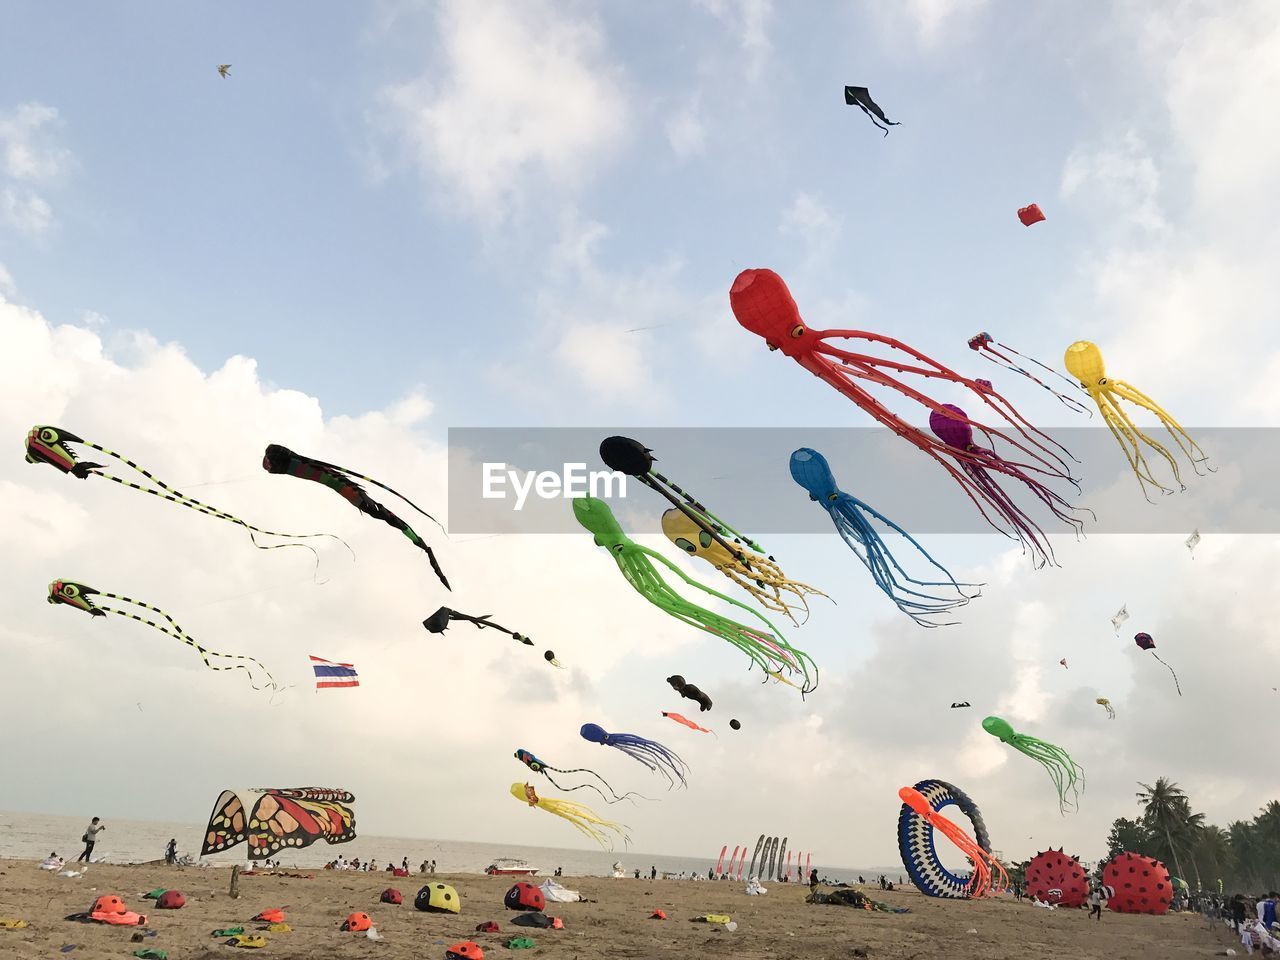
1120 180
748 21
29 154
528 100
7 287
686 132
26 212
27 143
813 227
931 22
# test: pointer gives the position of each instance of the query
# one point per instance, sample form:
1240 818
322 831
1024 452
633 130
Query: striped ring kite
915 841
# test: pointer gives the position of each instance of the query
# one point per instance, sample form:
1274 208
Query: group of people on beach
371 866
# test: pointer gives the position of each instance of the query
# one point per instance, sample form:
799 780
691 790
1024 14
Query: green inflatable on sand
519 943
151 954
229 932
155 894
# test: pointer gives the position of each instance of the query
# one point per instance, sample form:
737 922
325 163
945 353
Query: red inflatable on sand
1030 214
1141 884
1054 877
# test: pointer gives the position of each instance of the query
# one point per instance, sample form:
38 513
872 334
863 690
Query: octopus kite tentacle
952 426
764 579
651 753
1104 702
984 344
762 304
79 595
583 818
537 766
47 444
1084 362
278 459
988 874
851 516
765 647
633 458
1067 775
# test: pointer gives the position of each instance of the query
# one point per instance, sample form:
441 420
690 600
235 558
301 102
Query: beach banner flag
330 674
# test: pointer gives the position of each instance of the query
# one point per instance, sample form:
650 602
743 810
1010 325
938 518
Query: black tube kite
861 97
280 459
439 622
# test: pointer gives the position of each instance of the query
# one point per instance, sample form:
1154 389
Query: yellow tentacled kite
1084 362
763 579
1104 702
582 817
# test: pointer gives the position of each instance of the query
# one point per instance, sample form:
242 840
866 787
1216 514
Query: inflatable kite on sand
762 304
272 820
652 754
1056 878
853 519
79 596
584 819
49 445
537 766
342 480
1084 362
763 579
765 647
1140 884
917 822
1067 775
987 346
952 426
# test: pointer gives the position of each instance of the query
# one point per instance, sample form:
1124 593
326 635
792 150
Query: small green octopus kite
1066 773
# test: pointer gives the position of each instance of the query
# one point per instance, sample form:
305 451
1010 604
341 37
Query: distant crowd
371 866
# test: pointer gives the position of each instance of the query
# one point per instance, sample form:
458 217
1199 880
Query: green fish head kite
47 444
75 595
599 520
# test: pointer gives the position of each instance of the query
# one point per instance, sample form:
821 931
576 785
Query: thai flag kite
330 674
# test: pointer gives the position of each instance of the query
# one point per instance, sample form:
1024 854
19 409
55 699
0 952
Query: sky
394 218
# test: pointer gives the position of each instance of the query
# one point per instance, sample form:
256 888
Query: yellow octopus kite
582 817
763 578
1084 362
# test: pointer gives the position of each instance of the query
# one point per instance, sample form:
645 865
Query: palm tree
1165 810
1213 849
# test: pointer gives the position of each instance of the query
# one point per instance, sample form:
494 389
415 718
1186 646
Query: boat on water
510 868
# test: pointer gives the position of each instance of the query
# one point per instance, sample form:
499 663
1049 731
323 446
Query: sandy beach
779 925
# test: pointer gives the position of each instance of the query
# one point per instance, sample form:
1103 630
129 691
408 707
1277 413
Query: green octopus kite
767 648
1066 773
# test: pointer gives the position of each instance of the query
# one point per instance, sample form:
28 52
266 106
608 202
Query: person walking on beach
90 837
1096 900
653 872
171 852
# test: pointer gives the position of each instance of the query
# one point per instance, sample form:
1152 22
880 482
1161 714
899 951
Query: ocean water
34 836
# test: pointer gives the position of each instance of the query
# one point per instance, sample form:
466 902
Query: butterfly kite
1084 362
537 766
342 480
583 818
966 703
50 445
274 819
1067 775
861 97
765 646
763 305
80 596
853 520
